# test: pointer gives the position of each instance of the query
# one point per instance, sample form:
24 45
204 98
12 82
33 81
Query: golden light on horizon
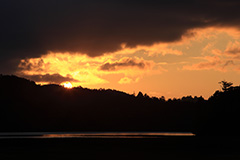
190 66
67 85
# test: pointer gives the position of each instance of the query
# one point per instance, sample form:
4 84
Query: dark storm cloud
49 78
31 28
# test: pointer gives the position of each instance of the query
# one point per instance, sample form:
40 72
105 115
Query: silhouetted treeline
26 106
221 115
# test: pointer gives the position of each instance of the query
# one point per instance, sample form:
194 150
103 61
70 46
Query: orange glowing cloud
76 68
80 69
221 51
126 63
141 66
200 34
189 41
233 49
127 80
210 63
151 50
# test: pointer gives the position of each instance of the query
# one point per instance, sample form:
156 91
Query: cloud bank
83 70
32 28
124 63
50 78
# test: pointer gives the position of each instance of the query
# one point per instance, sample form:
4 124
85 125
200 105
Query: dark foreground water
120 146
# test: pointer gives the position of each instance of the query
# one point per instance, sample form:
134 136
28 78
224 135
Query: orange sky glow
191 66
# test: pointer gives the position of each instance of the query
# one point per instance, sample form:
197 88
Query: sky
163 48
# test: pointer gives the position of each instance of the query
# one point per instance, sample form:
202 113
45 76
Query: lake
117 146
9 135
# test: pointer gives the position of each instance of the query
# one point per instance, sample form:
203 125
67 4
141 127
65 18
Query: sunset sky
163 48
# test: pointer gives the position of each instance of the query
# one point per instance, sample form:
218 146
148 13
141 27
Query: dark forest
26 106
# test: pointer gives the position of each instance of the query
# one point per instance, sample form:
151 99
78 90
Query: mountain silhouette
26 106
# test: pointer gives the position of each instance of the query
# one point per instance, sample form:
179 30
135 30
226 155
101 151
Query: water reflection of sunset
117 135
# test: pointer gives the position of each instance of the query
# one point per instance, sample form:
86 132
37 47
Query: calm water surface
92 134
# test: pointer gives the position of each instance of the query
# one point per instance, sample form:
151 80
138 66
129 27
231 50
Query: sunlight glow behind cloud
80 69
210 49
